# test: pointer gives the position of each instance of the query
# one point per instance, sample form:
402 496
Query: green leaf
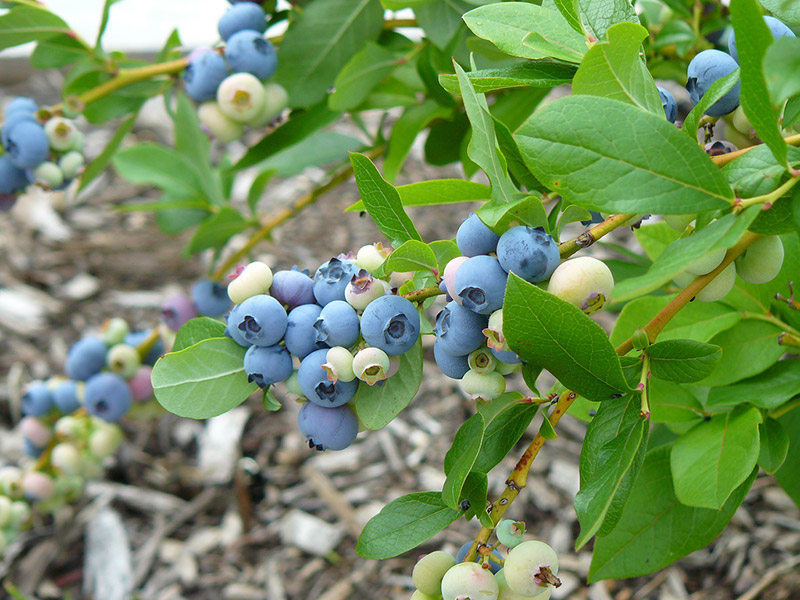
717 90
382 202
441 20
752 39
503 431
98 165
104 21
461 457
23 24
547 431
551 333
270 402
406 129
320 42
437 191
174 220
602 14
781 65
711 460
445 251
217 230
655 530
673 403
777 220
786 10
151 164
257 188
482 147
612 455
507 24
615 70
768 390
58 51
377 406
527 210
398 4
566 145
301 125
317 150
535 74
569 10
756 172
404 524
748 348
194 145
683 361
788 476
774 445
203 380
476 492
412 255
654 238
196 330
791 112
366 69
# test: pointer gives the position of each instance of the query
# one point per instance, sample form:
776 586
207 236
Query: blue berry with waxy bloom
480 283
177 311
249 52
107 396
232 329
316 385
12 121
337 324
21 104
135 338
529 252
210 298
327 428
12 178
506 356
331 279
451 365
391 323
668 103
293 287
704 69
67 396
241 16
459 330
202 76
266 365
776 27
86 357
300 336
37 400
474 237
262 320
719 147
27 144
31 449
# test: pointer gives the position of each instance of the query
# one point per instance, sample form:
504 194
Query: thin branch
591 235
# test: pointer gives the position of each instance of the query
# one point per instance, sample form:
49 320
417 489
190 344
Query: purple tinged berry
300 336
241 16
262 320
210 299
293 288
474 238
528 252
140 385
266 365
331 279
37 486
668 103
249 52
327 428
67 396
363 289
459 330
339 364
451 365
704 69
27 144
203 74
777 28
34 431
480 283
107 396
37 400
337 324
316 386
85 358
177 311
371 365
392 324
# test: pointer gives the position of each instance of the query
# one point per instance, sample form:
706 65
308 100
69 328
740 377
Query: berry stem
335 180
423 294
778 412
766 199
642 387
789 339
770 318
724 159
591 235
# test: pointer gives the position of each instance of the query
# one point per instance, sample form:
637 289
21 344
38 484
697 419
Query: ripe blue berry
266 365
776 27
327 428
318 387
27 144
232 329
337 324
300 336
331 279
390 323
12 178
86 357
529 252
11 121
474 238
261 320
177 311
21 104
449 364
203 74
244 15
107 396
210 298
249 52
66 396
293 288
134 338
669 104
37 400
719 147
506 356
459 330
480 283
705 68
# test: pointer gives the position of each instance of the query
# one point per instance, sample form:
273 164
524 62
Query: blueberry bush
694 390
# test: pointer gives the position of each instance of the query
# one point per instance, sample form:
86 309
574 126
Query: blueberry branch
591 235
423 294
724 159
766 200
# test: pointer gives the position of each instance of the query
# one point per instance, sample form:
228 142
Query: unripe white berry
105 440
363 289
124 360
275 100
71 163
255 278
584 282
482 386
66 457
469 580
5 511
219 125
371 365
62 133
482 361
339 365
430 570
372 256
531 568
241 97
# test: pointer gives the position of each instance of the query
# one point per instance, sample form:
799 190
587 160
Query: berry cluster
229 81
49 155
344 326
528 571
207 299
470 345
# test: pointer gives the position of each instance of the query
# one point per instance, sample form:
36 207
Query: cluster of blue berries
207 299
343 326
229 82
49 155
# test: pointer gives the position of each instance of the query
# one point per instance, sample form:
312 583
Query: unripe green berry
740 122
69 426
372 256
371 365
584 282
762 261
679 222
531 568
20 512
255 278
716 289
417 595
62 134
67 458
48 174
241 97
11 482
707 263
507 368
482 386
339 365
71 163
275 100
293 384
430 570
115 330
217 124
469 581
123 360
482 361
507 594
5 511
509 533
104 441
